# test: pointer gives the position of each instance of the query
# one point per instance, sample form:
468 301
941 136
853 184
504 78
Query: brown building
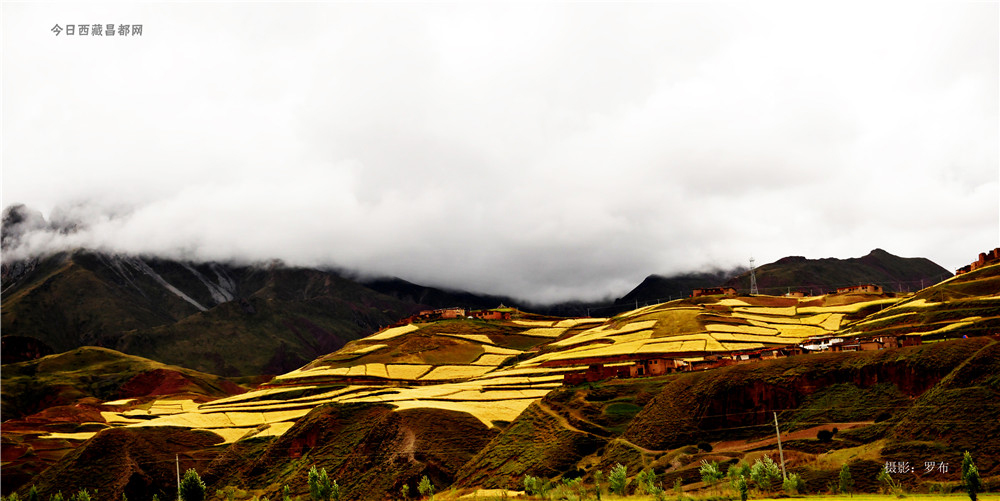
594 373
442 313
864 289
714 291
985 259
491 314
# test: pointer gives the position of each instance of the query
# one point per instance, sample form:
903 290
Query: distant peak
791 259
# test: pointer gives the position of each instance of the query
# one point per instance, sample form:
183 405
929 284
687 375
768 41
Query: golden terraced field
414 366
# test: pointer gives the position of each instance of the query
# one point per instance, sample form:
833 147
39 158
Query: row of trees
764 476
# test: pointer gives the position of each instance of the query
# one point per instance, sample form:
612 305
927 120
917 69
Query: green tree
32 493
56 497
742 487
972 482
286 493
736 471
846 484
320 487
764 472
536 486
425 487
710 472
192 488
618 479
598 479
966 463
793 484
647 482
891 485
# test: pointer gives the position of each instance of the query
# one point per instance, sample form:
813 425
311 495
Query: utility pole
177 457
781 455
753 280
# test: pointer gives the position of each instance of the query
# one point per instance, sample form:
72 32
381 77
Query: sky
547 151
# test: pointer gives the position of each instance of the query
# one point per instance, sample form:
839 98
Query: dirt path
743 445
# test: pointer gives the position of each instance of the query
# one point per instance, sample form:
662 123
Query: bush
824 435
192 488
705 446
425 487
710 472
890 485
793 484
742 487
764 472
535 486
618 479
647 482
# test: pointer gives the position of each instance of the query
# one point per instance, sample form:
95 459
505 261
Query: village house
440 314
491 314
714 291
985 259
863 289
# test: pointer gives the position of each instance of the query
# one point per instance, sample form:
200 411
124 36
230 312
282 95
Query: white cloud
545 151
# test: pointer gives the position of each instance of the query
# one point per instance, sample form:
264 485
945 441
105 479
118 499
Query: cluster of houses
731 292
628 367
500 313
985 259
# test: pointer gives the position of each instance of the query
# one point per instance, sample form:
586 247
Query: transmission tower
753 279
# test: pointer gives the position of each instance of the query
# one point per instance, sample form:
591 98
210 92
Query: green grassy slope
100 373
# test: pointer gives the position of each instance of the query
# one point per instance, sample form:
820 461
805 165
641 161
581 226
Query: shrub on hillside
425 487
618 479
192 488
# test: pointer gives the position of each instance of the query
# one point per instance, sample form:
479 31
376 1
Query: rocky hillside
221 318
796 273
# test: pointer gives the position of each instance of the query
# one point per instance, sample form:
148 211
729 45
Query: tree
891 485
320 487
647 480
764 472
425 487
598 479
286 493
824 435
793 484
192 488
970 476
618 479
966 463
735 472
710 472
846 485
535 486
32 493
742 487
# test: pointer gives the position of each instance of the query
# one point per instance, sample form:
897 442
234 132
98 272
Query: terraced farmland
494 370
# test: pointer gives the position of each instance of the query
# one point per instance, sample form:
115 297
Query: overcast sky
548 151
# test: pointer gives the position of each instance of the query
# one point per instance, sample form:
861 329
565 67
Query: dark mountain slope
796 273
226 319
658 287
819 276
